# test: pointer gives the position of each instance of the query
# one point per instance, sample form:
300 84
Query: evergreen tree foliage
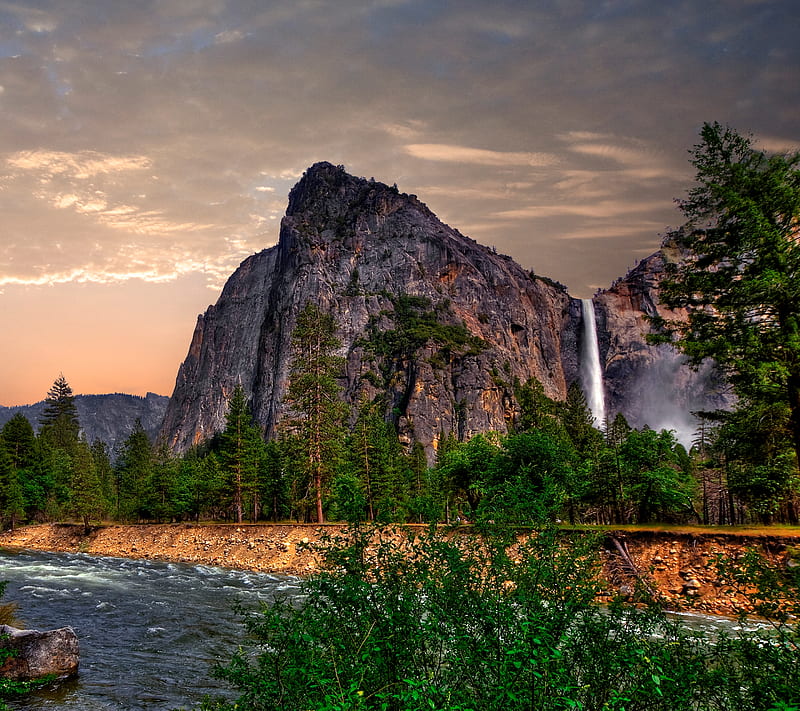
19 441
86 501
167 495
274 491
53 477
59 421
654 483
18 487
739 271
133 469
211 489
579 423
377 462
464 469
12 503
422 505
313 396
531 479
754 446
105 476
242 454
536 410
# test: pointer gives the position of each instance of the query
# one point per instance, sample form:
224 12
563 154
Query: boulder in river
39 654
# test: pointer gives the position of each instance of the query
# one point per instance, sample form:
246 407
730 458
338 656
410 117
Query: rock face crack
358 248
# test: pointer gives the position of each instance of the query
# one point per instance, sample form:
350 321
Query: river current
149 632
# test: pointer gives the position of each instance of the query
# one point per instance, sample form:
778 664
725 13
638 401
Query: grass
694 529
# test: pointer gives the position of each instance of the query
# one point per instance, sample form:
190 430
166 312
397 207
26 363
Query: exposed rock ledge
679 566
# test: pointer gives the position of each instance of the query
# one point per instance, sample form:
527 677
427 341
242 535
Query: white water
149 632
591 373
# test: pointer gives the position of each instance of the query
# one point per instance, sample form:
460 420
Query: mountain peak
434 326
321 182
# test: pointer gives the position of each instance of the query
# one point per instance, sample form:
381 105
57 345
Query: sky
148 147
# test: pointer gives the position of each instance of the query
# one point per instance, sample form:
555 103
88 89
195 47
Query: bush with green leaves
403 620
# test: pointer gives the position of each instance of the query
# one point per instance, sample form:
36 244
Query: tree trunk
318 486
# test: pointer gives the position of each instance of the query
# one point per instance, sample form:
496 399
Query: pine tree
133 469
313 396
536 409
59 421
579 422
273 487
739 272
87 493
105 474
378 464
12 504
241 453
19 440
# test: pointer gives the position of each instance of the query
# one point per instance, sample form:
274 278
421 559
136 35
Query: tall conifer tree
314 398
242 454
739 271
59 421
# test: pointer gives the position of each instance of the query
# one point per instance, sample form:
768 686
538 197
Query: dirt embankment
267 549
681 567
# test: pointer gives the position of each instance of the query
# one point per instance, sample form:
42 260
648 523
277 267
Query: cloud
605 232
442 152
776 144
117 220
80 172
228 36
405 131
78 166
484 192
32 19
602 209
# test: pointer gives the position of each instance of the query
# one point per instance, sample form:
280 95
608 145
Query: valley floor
678 565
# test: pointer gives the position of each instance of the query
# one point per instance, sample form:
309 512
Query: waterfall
591 373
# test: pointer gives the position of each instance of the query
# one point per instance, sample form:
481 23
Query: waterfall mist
591 373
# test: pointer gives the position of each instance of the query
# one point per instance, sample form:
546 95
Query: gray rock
650 384
39 654
355 247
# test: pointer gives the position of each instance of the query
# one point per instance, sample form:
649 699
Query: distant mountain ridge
109 418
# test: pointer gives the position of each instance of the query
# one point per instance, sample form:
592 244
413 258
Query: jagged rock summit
466 322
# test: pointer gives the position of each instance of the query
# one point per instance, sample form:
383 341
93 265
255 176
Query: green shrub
444 620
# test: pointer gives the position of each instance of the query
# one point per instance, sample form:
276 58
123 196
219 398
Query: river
149 632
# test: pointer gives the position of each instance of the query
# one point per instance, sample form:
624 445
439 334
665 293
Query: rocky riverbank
678 566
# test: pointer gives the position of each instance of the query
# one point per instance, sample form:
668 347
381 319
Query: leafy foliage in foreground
448 621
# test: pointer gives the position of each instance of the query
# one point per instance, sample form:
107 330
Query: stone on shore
39 654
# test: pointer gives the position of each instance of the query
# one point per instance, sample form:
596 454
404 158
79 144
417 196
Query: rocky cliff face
439 325
651 385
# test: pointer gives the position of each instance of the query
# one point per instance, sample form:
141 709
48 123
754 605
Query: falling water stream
591 373
149 632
